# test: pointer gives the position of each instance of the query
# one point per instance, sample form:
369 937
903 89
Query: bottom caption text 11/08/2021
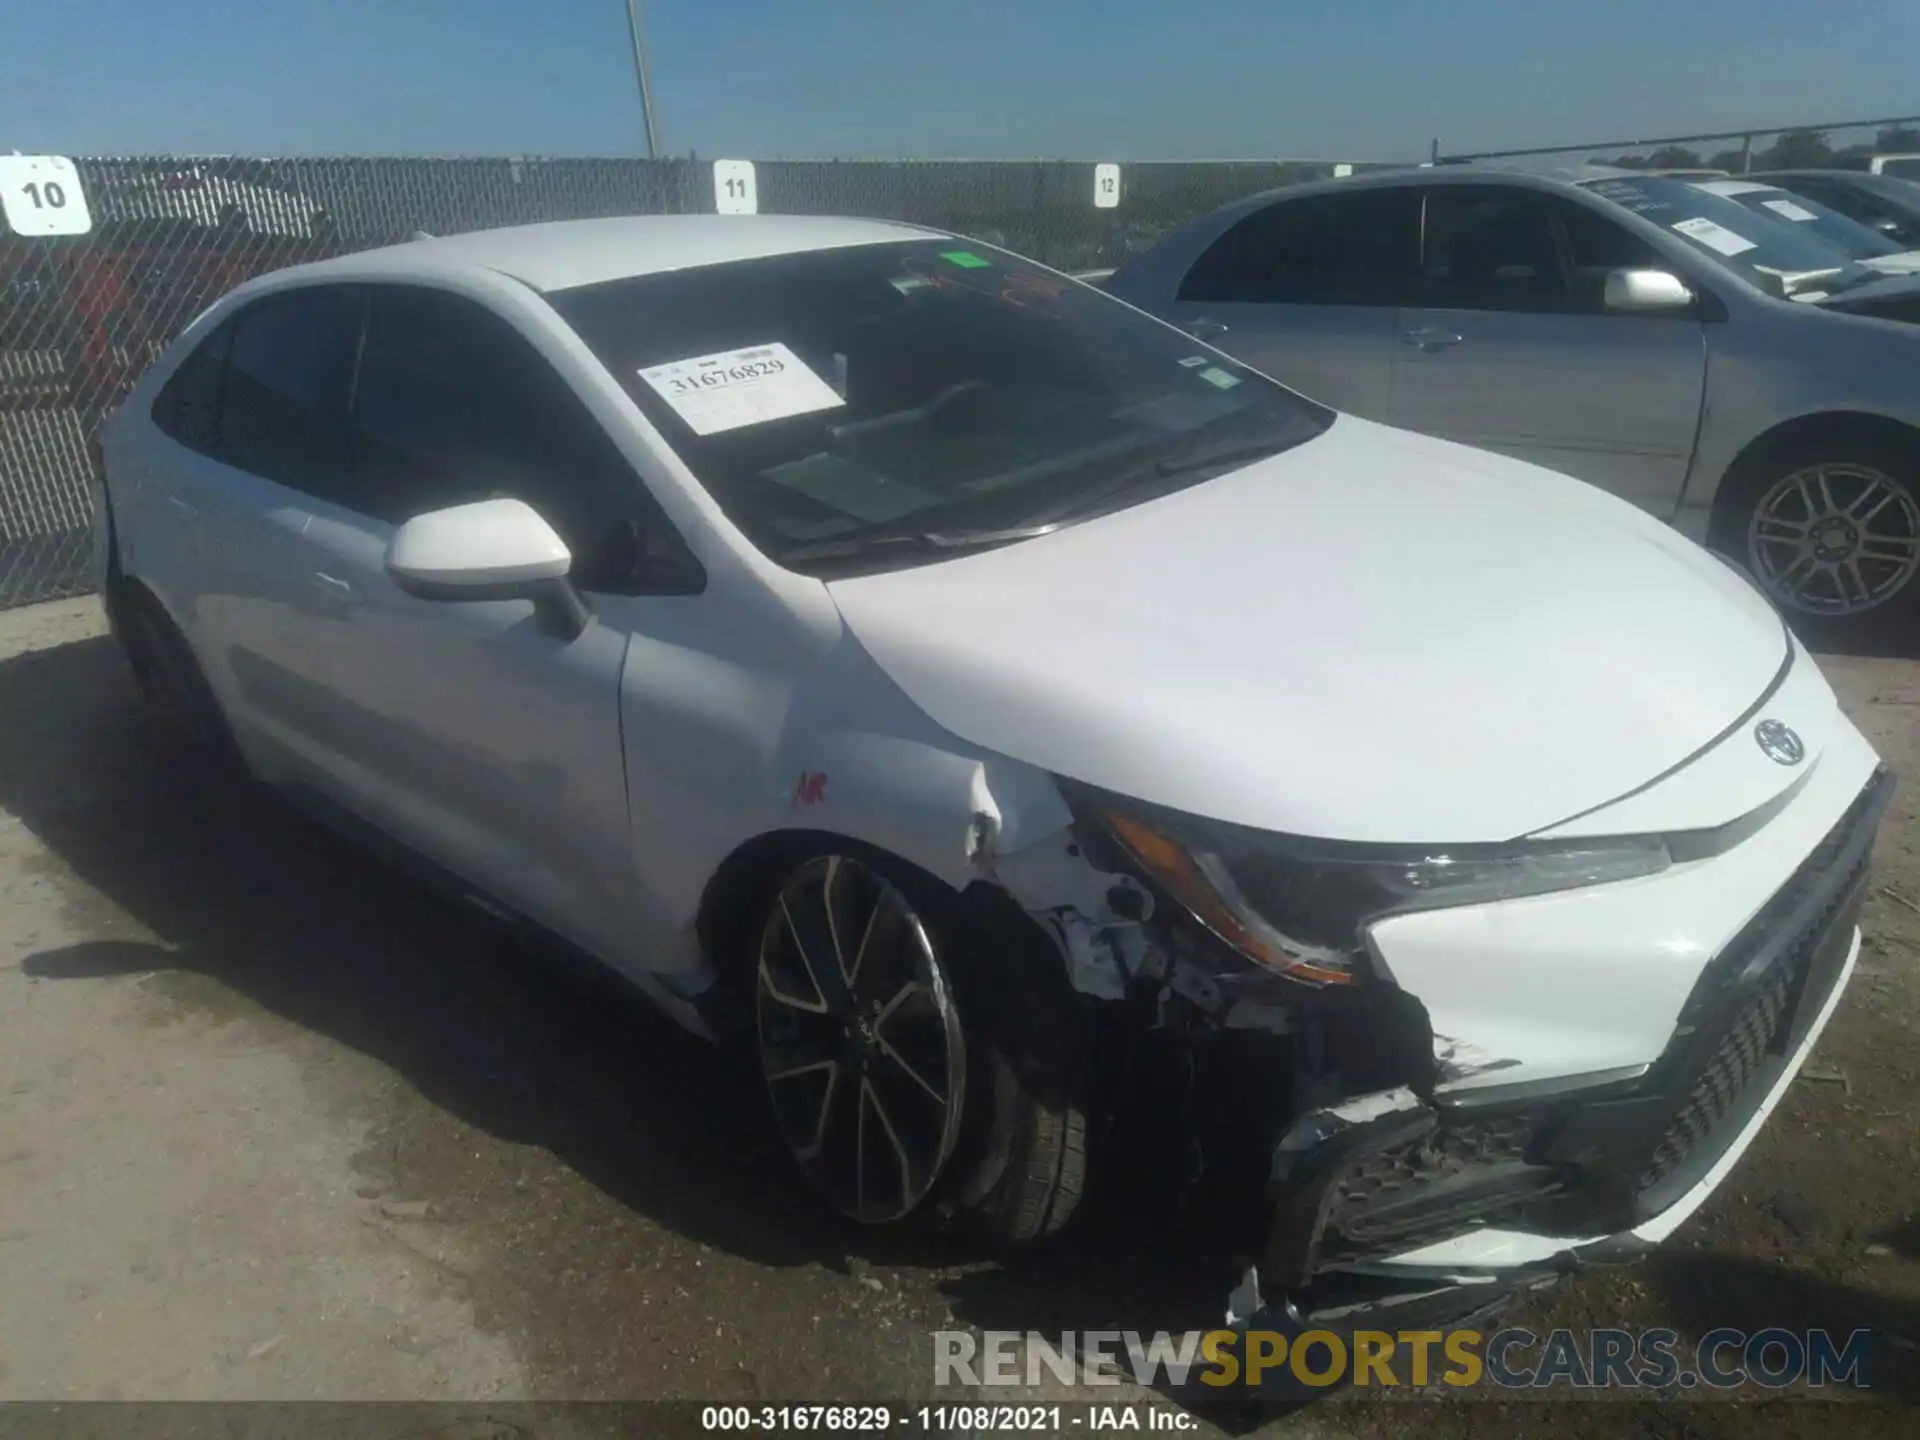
957 1419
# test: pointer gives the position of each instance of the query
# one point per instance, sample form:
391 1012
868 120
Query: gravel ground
276 1124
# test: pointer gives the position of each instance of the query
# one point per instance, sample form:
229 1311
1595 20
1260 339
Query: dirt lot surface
277 1124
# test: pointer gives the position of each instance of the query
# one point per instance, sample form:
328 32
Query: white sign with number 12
41 195
1106 187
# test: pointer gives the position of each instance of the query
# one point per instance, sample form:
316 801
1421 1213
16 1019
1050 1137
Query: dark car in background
1886 203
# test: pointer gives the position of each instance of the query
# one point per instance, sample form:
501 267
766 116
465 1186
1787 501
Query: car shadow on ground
520 1039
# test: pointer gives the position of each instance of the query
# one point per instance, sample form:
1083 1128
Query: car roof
562 254
1546 174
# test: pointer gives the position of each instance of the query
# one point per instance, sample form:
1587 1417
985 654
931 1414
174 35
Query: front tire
919 1054
1831 528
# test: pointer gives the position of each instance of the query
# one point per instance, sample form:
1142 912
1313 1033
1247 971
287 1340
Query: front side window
1505 248
878 405
284 399
453 405
1333 249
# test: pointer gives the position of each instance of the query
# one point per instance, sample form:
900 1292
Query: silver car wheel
1834 539
859 1039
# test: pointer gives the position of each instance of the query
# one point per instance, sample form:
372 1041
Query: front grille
1722 1094
1603 1161
1734 1066
1472 1170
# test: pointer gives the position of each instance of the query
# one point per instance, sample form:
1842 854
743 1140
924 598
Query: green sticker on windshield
965 259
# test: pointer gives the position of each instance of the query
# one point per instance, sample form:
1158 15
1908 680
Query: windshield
1775 255
1772 203
880 405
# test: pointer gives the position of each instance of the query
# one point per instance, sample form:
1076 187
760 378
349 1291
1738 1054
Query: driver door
1510 347
465 728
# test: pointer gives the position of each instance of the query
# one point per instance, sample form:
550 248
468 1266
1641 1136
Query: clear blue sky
1125 79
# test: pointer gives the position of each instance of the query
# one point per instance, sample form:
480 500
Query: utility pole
640 69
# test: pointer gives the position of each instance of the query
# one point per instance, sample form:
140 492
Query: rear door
1308 291
1512 348
259 423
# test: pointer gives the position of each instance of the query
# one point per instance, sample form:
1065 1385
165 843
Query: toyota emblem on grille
1779 742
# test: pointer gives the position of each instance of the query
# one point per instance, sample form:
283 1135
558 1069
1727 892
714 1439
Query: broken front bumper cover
1394 1211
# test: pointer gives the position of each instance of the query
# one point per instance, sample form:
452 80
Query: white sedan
923 666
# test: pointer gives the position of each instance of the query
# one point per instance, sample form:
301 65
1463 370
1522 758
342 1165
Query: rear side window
284 404
188 406
1359 248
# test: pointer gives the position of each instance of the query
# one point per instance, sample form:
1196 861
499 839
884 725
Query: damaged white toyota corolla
928 668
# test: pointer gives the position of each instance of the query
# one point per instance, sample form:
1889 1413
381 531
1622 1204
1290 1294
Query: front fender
1776 365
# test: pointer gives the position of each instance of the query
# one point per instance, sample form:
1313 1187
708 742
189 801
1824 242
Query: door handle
1205 328
334 593
1432 337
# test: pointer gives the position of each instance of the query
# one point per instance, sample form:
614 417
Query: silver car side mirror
1646 290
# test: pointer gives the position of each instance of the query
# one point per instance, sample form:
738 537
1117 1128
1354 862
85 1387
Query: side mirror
489 550
1646 291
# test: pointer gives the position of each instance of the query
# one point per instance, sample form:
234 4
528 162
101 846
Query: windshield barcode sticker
1713 236
733 388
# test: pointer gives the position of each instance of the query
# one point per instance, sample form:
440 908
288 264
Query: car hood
1375 636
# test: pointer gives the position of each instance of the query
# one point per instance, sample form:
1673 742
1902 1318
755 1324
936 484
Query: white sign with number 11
41 195
733 188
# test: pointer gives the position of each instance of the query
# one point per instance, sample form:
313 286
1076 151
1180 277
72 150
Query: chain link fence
82 315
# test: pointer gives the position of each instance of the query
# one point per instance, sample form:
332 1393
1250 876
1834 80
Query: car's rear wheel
1832 530
911 1069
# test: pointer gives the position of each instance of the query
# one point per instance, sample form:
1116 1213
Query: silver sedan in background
1723 369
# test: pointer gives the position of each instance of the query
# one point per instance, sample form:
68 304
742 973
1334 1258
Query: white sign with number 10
41 195
733 188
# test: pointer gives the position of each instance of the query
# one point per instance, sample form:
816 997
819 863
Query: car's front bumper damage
1371 1196
1392 1176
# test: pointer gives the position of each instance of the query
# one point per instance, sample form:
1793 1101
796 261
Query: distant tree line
1792 150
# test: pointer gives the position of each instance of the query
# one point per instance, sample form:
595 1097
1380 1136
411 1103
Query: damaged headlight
1299 907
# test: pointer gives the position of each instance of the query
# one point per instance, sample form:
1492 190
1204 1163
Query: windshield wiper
935 540
1179 464
1081 507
